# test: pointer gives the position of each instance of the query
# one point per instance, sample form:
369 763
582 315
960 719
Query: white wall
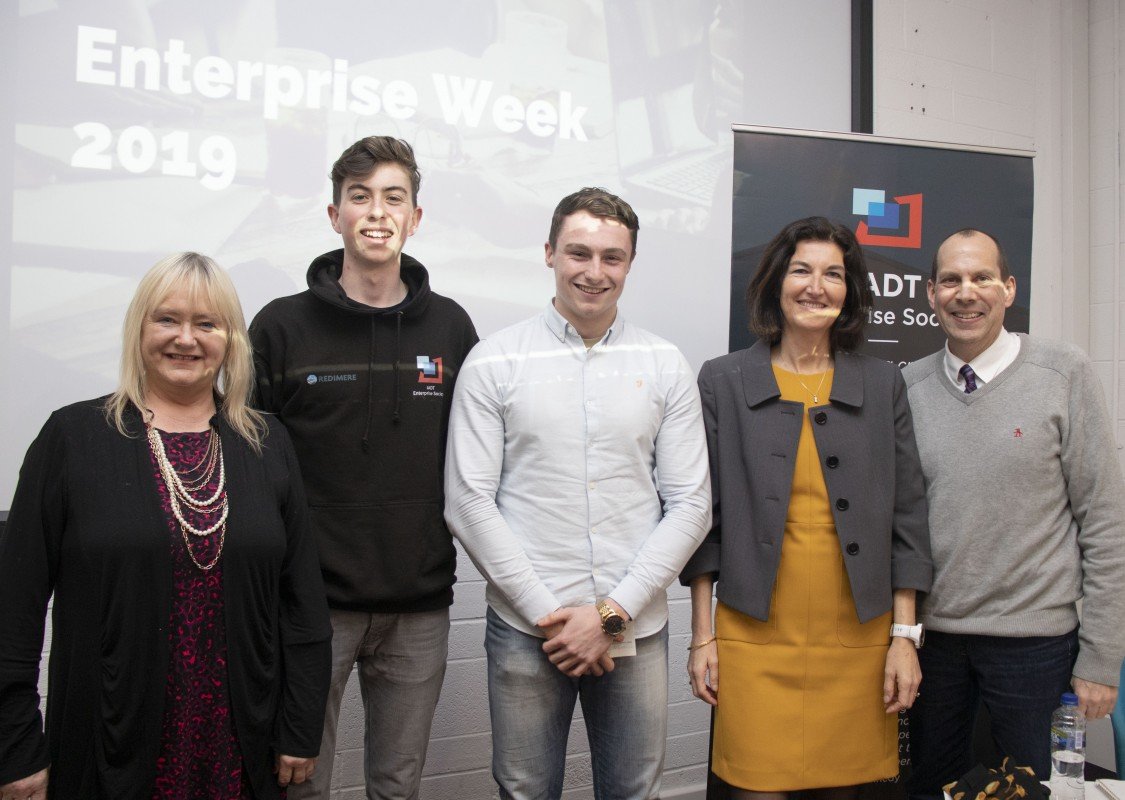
1043 75
1106 28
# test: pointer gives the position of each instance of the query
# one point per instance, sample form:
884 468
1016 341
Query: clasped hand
576 643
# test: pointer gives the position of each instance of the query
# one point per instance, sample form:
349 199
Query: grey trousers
401 660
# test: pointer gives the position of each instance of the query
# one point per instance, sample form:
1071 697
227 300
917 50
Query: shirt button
852 548
593 530
820 418
842 504
832 462
592 486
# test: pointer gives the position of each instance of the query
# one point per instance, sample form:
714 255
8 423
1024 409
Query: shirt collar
558 324
996 358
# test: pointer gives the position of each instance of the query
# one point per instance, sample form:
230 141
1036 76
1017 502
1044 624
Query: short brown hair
1001 259
361 159
599 203
763 295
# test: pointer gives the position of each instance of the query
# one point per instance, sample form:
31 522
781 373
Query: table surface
1117 788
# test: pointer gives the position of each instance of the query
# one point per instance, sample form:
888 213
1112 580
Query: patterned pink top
199 754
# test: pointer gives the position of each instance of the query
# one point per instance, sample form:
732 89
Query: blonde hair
206 281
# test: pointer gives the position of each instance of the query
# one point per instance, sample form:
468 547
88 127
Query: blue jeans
1018 679
531 703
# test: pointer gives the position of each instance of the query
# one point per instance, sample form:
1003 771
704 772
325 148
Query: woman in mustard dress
820 539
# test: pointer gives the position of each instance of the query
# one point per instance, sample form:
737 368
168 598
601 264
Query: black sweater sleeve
306 634
29 556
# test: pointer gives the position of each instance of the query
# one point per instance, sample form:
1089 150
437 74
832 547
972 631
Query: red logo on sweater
429 370
1018 434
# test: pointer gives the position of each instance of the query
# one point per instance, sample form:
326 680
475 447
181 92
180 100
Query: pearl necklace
179 493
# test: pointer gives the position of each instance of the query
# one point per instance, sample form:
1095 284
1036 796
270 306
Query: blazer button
832 462
820 418
842 504
852 548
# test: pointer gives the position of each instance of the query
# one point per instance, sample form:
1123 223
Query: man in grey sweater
1027 516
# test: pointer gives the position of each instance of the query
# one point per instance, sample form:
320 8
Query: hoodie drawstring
398 347
370 386
395 368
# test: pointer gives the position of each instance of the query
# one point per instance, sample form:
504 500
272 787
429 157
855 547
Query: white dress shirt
574 475
996 358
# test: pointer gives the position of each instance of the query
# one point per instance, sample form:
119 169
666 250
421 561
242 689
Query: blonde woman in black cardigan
190 637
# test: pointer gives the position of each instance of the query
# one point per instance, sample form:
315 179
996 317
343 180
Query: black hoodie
365 394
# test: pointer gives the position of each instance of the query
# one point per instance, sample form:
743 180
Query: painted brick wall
1107 324
1106 26
955 72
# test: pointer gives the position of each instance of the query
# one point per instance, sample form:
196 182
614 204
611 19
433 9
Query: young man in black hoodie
360 369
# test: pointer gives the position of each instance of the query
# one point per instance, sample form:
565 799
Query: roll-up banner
901 197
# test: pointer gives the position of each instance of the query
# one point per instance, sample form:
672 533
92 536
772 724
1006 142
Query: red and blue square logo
884 221
429 369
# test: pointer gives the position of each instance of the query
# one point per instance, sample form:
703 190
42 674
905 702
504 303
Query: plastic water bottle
1068 750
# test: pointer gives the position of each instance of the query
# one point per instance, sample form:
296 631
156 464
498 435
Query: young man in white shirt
577 480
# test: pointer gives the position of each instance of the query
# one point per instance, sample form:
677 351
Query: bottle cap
1069 699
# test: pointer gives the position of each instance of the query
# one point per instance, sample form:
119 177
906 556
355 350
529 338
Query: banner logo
884 216
429 370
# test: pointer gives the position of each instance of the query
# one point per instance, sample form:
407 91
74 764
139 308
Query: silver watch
914 633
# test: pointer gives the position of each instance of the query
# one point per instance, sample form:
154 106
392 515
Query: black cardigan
86 523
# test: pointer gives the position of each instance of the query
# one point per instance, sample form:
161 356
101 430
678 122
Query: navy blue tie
970 379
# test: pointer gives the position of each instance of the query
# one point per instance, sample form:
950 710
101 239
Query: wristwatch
612 622
914 633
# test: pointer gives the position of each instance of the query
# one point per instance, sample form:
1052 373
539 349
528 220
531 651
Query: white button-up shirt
996 358
574 474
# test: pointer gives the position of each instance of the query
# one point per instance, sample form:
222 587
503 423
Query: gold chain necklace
179 493
819 386
205 469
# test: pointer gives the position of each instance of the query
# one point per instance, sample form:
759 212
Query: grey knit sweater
1027 512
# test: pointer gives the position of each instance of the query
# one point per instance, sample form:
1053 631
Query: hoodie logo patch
429 370
313 379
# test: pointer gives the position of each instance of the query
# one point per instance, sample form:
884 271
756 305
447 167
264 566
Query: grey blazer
865 442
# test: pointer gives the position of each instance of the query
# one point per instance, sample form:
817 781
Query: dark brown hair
361 159
763 295
1001 259
599 203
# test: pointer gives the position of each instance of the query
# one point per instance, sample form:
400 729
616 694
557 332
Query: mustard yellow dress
801 695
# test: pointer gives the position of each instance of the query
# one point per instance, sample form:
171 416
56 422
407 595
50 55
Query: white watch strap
911 632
